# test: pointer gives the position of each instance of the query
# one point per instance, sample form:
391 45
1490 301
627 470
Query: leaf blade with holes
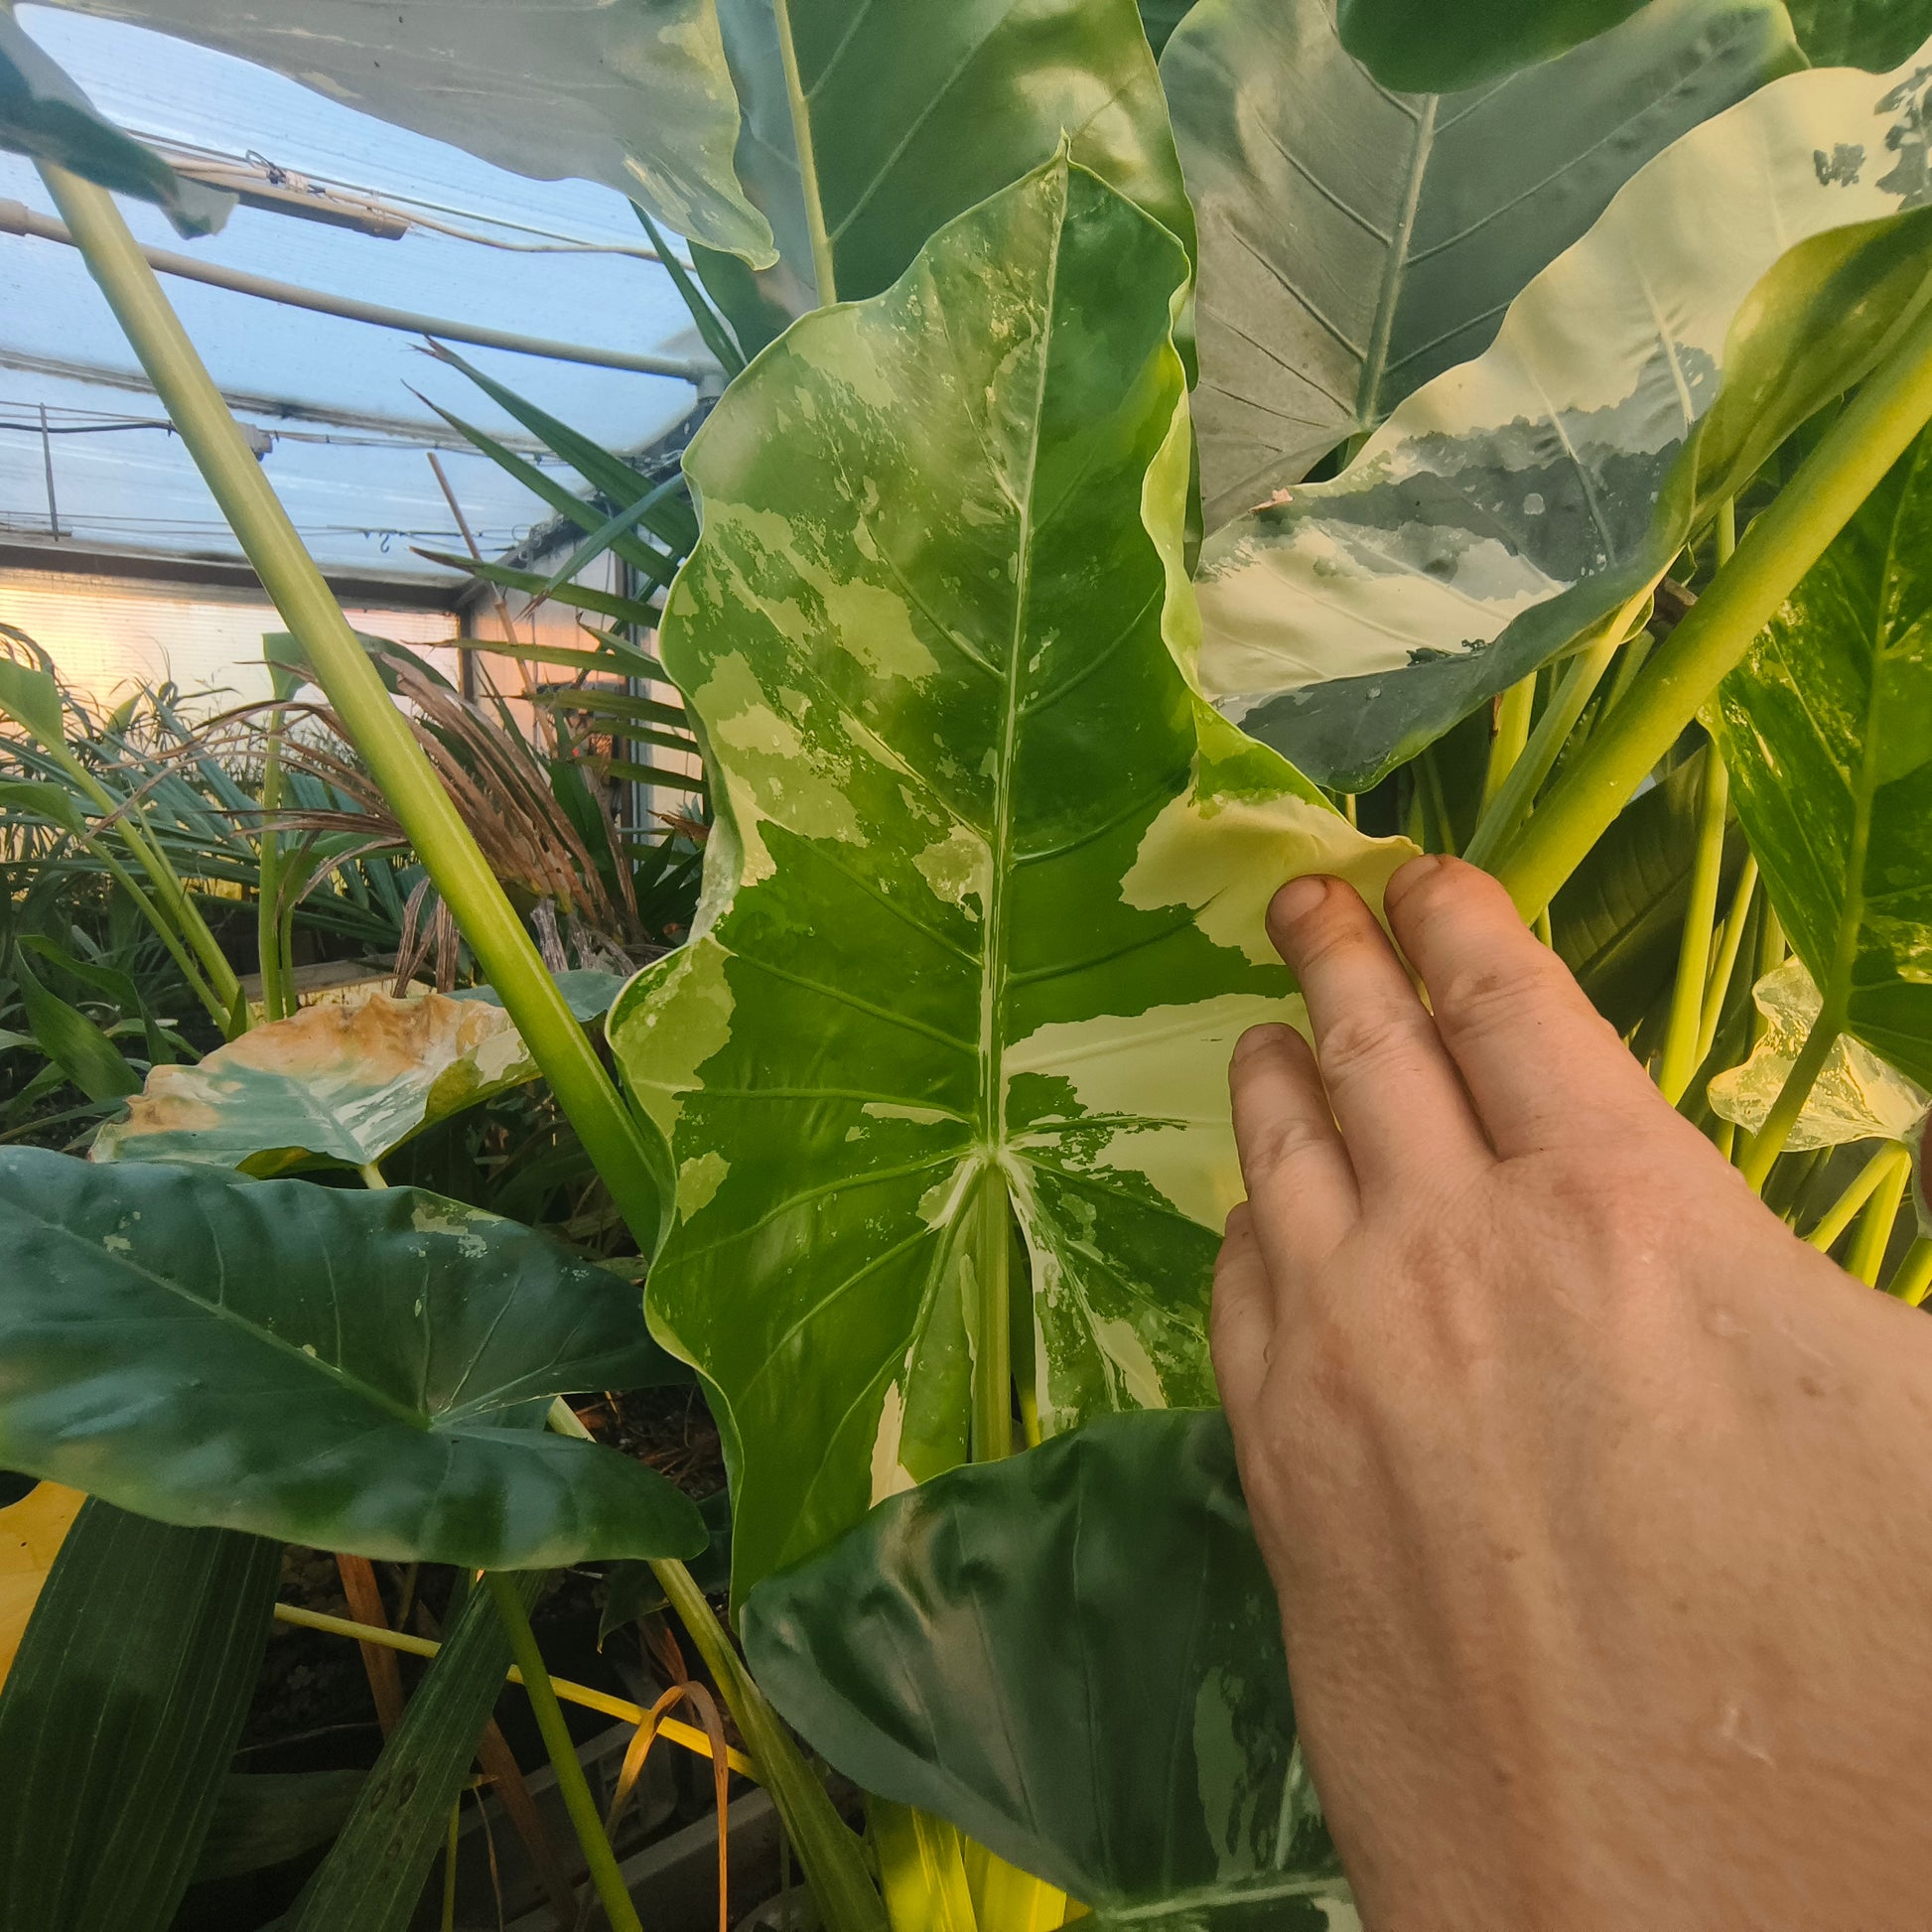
331 1085
1514 506
1355 244
944 1653
1827 729
981 922
318 1365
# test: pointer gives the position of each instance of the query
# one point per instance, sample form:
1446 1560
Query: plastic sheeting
350 438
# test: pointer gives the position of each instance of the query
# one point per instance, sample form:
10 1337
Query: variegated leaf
1515 505
329 1086
1827 729
983 913
1857 1096
1355 242
635 93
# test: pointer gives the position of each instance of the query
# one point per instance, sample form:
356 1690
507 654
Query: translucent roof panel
551 259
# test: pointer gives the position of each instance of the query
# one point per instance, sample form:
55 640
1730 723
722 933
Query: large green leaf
1075 1656
42 113
318 1365
1874 34
913 113
983 909
1514 505
120 1717
1422 46
1354 242
329 1086
1826 728
633 94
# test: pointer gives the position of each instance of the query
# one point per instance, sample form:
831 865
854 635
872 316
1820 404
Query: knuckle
1277 1145
1481 1002
1366 1041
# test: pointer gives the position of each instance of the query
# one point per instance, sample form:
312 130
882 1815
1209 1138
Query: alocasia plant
983 907
1355 242
1516 504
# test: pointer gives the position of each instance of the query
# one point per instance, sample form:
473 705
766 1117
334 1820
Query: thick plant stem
611 1133
1913 1281
1727 962
1869 1245
1680 1057
824 271
1865 1183
1526 775
1850 459
1769 1143
992 1437
582 1807
1512 734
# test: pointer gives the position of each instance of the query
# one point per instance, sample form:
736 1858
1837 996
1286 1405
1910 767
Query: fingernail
1297 899
1409 876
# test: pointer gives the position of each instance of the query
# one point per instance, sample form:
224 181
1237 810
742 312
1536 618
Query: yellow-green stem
449 1867
1852 458
1726 961
1513 713
1771 954
269 892
612 1892
1727 530
609 1132
1865 1183
1680 1057
1880 1216
1768 1142
1518 792
1913 1281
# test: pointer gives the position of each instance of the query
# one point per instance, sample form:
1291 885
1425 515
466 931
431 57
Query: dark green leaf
1423 47
71 1041
1618 920
704 318
266 1818
1075 1656
320 1365
1873 33
632 1590
1354 243
14 1486
1161 18
987 881
1826 728
45 115
625 609
121 1716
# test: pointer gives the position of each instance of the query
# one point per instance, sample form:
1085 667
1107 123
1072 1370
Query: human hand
1600 1505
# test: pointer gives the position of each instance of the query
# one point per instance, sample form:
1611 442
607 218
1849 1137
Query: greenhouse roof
86 460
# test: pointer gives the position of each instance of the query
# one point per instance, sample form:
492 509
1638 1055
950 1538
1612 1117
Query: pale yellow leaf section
31 1534
1859 1097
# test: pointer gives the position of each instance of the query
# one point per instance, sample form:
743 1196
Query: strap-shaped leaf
318 1365
913 113
1517 503
1826 728
982 906
120 1717
42 113
1354 242
329 1086
1077 1657
633 94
